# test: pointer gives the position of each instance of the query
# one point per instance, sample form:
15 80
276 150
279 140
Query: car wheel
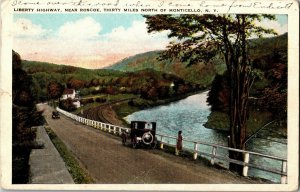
147 138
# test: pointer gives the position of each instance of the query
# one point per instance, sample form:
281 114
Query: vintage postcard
159 95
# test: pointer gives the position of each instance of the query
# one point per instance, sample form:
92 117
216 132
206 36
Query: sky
92 40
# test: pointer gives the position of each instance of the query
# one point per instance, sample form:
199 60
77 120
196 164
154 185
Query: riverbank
116 107
124 109
257 120
116 112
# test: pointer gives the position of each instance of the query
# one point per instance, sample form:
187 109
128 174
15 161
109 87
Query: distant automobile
142 133
55 115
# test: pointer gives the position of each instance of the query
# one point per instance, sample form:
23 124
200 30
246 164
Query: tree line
148 84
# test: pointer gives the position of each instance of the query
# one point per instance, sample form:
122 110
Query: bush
86 101
24 116
86 91
100 100
141 103
67 105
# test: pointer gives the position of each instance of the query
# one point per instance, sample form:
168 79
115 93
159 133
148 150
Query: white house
76 103
71 93
68 93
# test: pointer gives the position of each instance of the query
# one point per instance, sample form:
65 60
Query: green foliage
67 105
86 91
100 100
63 72
24 116
219 121
269 68
142 103
200 38
55 90
201 74
86 101
73 77
218 96
274 100
150 83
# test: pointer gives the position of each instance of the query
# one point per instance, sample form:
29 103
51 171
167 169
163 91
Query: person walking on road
179 143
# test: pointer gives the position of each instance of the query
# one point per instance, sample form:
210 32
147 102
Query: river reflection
189 115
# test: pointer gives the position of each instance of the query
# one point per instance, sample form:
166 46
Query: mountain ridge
200 73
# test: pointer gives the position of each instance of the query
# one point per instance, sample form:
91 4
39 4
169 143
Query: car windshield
142 125
148 126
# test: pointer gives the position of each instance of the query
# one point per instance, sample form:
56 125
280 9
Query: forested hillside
145 76
202 73
148 83
268 96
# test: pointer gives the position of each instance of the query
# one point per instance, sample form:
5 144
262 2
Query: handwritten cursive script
229 6
261 5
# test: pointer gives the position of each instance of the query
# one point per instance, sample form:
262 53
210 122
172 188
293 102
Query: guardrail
117 130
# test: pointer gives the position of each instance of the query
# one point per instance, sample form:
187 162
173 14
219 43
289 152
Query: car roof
142 122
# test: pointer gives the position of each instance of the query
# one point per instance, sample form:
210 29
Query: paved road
108 161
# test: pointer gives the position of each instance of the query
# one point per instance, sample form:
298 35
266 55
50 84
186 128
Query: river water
190 114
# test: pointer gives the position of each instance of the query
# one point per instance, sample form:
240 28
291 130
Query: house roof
68 91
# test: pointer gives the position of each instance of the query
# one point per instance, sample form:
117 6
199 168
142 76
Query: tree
218 96
75 84
67 105
55 90
152 94
202 37
24 116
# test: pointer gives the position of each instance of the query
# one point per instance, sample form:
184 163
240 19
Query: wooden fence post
195 155
214 153
283 169
246 160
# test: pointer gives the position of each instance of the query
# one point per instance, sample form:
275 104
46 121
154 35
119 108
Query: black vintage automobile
55 115
142 133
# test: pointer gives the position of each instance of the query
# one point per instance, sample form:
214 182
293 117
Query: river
191 113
